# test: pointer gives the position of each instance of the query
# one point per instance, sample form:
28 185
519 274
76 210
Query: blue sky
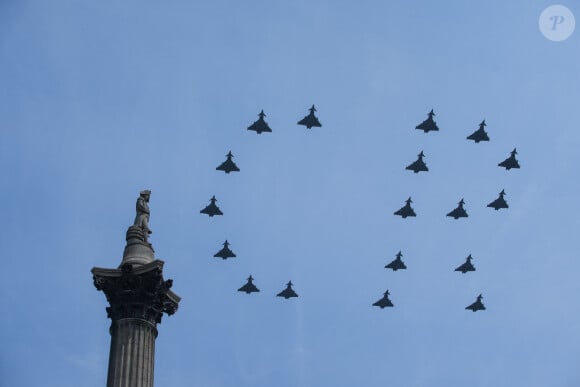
99 100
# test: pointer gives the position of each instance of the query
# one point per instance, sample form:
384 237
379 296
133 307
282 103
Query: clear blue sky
99 100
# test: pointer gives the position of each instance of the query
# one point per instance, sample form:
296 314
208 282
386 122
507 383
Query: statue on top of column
142 216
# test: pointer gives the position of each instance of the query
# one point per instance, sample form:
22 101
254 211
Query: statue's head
145 194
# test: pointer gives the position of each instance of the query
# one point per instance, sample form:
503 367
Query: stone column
132 353
138 296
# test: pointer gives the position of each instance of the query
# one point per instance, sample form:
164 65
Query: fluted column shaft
131 360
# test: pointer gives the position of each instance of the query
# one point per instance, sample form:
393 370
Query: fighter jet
511 161
397 263
480 134
499 202
310 120
466 266
249 287
260 125
288 292
418 165
211 209
228 165
477 305
429 124
225 252
384 302
459 211
406 210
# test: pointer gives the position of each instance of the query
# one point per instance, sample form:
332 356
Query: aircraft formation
428 125
259 126
398 264
407 210
419 165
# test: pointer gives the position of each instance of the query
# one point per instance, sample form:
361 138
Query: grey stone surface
137 251
138 296
132 355
136 291
142 215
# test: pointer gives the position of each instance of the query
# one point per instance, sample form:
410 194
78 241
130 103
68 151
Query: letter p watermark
557 20
557 23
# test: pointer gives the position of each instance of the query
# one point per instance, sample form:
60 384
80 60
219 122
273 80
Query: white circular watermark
557 23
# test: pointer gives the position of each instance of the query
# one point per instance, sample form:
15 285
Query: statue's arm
142 206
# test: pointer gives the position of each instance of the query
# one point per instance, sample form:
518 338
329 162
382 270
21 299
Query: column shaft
131 360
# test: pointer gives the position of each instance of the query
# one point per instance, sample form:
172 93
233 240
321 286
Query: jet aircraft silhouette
459 211
499 202
212 209
480 134
511 161
249 287
406 210
397 263
225 252
418 165
466 266
228 165
477 305
260 125
310 120
288 292
384 302
429 124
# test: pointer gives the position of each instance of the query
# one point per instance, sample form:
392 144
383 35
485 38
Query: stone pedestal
137 251
138 296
